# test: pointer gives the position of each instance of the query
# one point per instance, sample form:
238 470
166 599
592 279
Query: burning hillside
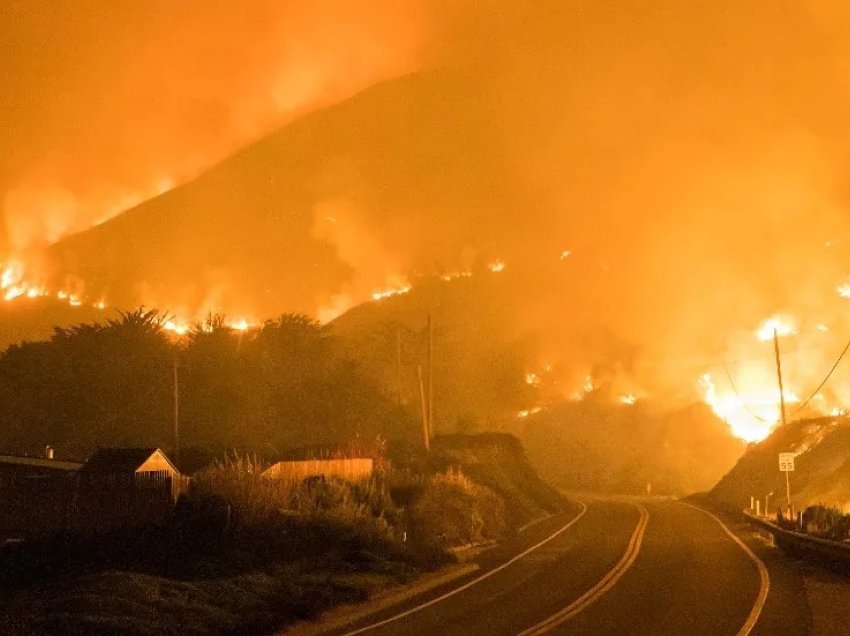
820 468
652 205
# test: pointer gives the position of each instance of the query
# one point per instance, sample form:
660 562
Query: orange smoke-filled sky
104 104
693 156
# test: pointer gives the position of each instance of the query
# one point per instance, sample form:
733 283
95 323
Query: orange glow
496 266
780 326
178 328
753 415
383 294
528 412
450 276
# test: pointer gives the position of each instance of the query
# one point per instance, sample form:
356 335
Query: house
352 469
137 468
127 486
129 464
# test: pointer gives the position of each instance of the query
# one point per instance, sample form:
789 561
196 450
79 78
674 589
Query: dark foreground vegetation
286 384
244 553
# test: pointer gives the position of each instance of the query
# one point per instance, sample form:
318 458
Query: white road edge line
534 523
764 576
476 580
603 586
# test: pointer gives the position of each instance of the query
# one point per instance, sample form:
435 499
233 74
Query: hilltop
256 231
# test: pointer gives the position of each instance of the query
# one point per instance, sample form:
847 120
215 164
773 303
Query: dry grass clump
455 511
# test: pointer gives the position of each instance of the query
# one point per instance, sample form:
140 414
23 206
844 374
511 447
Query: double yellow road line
602 587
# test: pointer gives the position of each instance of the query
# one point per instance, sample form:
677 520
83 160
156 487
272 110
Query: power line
828 375
740 399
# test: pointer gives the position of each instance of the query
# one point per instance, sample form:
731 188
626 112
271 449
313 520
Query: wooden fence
348 469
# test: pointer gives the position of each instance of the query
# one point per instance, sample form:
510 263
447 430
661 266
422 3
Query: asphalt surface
624 567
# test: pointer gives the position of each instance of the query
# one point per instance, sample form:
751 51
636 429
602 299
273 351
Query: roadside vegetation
825 522
244 553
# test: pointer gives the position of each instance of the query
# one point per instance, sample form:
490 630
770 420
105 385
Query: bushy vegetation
827 522
250 499
246 553
285 384
454 510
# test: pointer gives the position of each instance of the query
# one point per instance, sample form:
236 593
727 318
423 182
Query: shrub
827 522
454 511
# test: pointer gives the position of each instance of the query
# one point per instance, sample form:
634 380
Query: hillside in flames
651 206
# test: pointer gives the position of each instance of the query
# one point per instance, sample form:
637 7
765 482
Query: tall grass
256 500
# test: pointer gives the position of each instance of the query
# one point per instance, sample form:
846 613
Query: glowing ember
775 324
496 266
628 399
532 378
528 412
450 276
843 290
565 254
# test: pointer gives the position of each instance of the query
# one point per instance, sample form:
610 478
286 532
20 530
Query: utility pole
425 435
176 414
430 377
781 407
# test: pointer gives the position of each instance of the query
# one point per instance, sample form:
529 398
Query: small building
139 468
36 495
353 469
129 464
16 471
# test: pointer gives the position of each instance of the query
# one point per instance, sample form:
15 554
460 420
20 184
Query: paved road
621 567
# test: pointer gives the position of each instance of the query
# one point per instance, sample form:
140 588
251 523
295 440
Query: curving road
614 566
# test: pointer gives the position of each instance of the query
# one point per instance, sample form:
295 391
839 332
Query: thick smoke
690 157
107 104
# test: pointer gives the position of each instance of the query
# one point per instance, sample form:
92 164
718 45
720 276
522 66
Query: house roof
120 460
39 462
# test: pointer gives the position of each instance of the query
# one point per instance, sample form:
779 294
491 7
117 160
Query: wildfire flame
383 294
628 399
496 266
15 284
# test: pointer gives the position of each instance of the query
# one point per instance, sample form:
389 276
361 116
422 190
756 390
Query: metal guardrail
833 553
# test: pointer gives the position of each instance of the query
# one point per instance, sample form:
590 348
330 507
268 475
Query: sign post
786 465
